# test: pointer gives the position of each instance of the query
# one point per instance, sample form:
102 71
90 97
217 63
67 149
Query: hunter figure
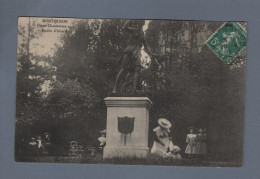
131 58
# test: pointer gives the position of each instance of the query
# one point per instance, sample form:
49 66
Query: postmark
228 41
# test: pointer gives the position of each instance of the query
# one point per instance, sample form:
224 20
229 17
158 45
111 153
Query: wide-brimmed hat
191 127
164 123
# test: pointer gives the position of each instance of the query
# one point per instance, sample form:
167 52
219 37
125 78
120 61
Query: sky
47 40
49 36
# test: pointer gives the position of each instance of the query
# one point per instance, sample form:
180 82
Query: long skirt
159 149
201 148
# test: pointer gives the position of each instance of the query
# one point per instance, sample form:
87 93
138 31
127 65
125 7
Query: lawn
150 160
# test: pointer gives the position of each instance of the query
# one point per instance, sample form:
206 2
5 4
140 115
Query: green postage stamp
228 41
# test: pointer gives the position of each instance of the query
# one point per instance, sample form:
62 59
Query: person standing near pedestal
102 139
162 140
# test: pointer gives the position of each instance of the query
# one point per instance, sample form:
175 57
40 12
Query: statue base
134 144
128 94
125 152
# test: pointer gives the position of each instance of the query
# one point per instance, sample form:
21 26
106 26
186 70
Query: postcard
130 91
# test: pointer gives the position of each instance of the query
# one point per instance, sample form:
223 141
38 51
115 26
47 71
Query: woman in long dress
191 143
201 148
162 139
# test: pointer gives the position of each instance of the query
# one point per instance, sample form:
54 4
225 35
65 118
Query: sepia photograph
130 91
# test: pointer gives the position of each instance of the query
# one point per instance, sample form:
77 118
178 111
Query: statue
131 58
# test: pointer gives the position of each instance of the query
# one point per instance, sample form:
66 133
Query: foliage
31 75
70 98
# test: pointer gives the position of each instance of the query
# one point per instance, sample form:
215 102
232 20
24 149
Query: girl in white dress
191 143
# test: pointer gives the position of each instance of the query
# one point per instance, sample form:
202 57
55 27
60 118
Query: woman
162 139
191 143
201 148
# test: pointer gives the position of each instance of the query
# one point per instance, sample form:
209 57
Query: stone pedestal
136 143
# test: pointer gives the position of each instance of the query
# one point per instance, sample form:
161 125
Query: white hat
164 123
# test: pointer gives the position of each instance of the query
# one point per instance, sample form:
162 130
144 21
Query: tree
30 75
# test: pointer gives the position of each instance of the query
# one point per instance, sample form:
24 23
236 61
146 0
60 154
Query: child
174 152
33 147
46 144
33 142
191 146
40 145
201 148
102 139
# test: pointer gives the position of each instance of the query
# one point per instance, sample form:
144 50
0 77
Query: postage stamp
228 41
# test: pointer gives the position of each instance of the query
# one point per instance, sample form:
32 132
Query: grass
150 160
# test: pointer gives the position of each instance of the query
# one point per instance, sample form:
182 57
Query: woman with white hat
162 140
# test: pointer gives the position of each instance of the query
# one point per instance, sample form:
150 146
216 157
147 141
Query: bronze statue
131 58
